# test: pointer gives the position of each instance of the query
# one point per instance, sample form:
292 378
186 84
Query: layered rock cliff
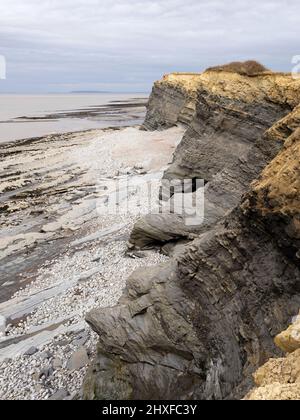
224 143
173 101
275 196
198 326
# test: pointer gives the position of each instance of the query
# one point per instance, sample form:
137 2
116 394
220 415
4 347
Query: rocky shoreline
117 112
59 257
176 311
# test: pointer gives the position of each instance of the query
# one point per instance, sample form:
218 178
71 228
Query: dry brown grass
246 68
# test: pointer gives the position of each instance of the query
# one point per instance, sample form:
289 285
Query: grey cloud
126 44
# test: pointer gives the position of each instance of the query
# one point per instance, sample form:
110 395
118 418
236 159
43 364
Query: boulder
289 340
31 351
78 360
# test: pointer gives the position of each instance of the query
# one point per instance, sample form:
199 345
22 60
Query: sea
27 116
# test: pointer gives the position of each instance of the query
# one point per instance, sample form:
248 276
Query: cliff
200 325
172 101
224 143
275 196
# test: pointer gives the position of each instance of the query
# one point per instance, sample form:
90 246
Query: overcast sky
124 45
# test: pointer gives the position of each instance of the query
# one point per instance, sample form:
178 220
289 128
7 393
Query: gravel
43 372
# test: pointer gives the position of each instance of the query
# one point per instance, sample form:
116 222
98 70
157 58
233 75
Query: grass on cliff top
246 68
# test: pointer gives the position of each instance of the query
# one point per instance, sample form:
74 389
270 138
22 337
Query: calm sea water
16 106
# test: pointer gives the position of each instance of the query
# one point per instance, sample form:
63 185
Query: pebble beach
60 255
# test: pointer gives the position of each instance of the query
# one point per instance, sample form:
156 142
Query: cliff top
277 87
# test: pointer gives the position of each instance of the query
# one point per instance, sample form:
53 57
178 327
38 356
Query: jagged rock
45 373
199 329
275 196
200 325
279 379
179 219
80 340
171 103
160 228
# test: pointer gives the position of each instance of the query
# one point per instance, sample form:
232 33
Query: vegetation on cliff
245 68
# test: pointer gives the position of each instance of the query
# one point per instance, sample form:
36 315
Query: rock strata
198 326
225 141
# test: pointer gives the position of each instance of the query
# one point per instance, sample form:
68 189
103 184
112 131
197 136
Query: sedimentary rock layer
224 143
197 328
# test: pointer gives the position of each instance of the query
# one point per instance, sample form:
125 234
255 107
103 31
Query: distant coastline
106 92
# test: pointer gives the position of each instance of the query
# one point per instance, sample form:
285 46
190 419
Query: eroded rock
199 326
224 143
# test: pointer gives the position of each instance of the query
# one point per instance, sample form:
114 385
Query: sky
125 45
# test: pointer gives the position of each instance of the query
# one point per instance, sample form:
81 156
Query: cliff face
197 327
172 101
231 112
224 143
275 196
